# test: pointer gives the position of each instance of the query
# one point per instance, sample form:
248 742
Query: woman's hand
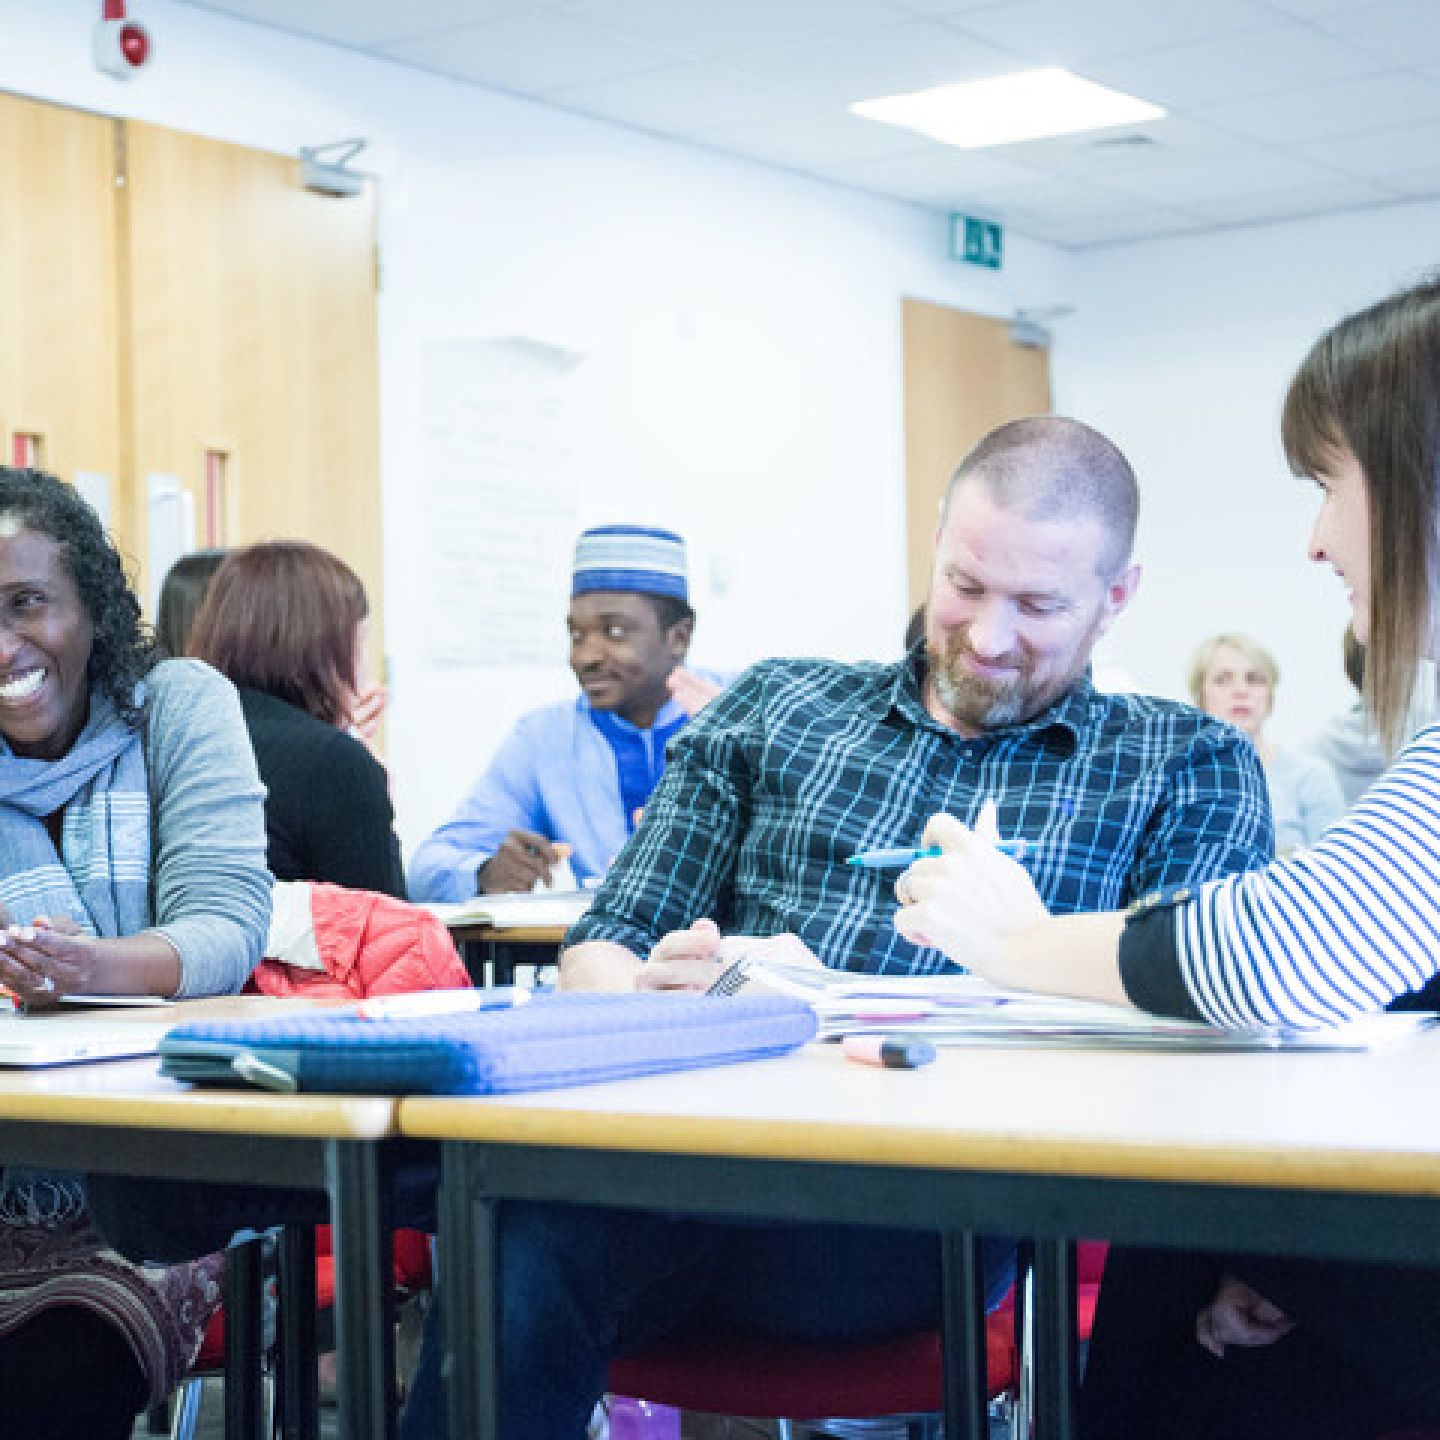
1239 1315
48 958
366 710
970 899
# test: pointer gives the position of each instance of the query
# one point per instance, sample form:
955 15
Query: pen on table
440 1002
892 1052
898 859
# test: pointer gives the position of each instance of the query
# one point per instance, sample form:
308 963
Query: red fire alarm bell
120 46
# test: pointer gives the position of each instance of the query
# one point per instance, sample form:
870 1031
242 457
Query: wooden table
1321 1154
122 1116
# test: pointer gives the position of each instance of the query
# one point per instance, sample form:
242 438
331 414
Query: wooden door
964 375
249 323
58 338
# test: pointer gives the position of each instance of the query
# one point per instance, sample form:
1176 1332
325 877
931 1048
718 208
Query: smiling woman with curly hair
132 860
122 652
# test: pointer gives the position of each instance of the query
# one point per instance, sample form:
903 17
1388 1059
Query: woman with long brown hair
285 621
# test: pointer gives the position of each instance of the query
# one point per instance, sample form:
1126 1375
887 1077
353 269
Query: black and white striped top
1334 931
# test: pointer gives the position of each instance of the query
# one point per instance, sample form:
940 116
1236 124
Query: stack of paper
962 1009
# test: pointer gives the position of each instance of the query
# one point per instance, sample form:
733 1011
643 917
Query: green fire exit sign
976 242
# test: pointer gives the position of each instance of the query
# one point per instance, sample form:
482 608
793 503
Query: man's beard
973 701
978 704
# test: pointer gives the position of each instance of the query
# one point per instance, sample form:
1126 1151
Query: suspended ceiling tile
939 176
1255 172
1283 204
365 23
1278 58
1062 32
1136 225
531 53
1052 202
950 9
803 140
913 55
1421 183
1379 154
1320 112
1318 9
1124 147
705 30
679 99
1400 30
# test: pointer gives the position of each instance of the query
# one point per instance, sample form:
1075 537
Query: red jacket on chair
370 944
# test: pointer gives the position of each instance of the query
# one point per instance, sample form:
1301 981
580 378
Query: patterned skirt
51 1255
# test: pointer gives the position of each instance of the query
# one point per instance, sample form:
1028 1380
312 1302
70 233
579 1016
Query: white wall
742 380
741 328
1181 350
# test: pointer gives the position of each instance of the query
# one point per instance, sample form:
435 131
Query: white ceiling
1277 107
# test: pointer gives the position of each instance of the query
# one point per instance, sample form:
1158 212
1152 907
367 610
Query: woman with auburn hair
1244 1346
1234 678
285 621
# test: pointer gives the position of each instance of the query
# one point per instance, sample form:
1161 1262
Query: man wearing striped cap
578 773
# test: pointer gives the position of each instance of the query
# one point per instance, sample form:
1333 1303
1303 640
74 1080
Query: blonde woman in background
1233 678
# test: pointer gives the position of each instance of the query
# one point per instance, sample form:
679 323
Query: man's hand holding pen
692 960
522 860
685 960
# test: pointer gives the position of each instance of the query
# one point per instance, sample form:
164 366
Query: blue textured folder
553 1040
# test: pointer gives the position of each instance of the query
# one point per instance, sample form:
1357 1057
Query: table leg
475 955
963 1333
469 1298
364 1290
1055 1346
244 1341
299 1399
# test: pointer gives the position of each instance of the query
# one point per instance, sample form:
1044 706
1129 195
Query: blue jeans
582 1285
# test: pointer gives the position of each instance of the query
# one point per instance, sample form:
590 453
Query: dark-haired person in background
181 593
285 620
578 772
1348 744
131 860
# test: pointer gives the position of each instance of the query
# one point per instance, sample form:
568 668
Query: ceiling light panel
1032 105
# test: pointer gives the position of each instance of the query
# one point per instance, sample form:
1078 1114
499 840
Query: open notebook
962 1009
513 912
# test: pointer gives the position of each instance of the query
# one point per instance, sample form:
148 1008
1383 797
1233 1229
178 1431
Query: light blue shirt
1305 798
555 775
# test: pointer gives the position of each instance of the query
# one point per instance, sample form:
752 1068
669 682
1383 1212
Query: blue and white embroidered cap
630 557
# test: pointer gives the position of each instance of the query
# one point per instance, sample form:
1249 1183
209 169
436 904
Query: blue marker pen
898 859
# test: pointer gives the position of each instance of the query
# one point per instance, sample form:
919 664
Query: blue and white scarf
101 878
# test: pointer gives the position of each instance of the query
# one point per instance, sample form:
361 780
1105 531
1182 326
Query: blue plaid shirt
801 763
